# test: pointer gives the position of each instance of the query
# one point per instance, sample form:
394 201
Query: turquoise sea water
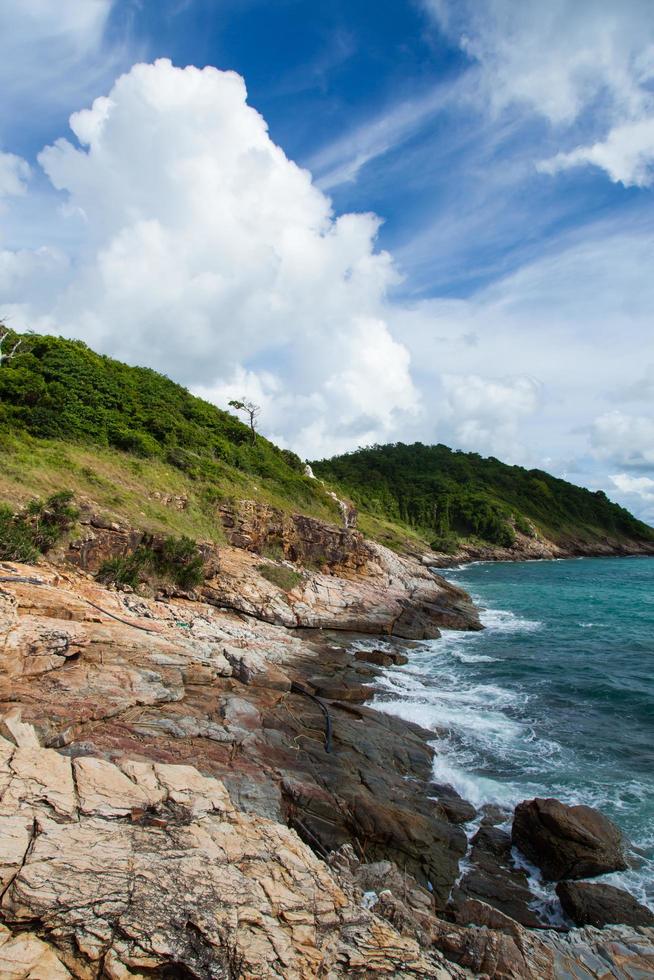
554 698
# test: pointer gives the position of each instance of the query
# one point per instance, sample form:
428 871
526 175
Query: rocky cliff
191 785
169 808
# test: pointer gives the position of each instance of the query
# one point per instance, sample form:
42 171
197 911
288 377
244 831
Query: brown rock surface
590 904
567 841
183 682
494 946
491 877
122 855
193 886
388 595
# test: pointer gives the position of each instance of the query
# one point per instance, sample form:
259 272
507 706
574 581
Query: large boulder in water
567 841
590 904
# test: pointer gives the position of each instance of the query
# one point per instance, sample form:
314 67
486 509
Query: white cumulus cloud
636 492
204 250
488 411
180 236
643 486
627 154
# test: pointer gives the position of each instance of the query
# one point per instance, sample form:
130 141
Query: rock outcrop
591 904
345 582
102 672
493 945
567 841
297 538
141 869
392 595
491 877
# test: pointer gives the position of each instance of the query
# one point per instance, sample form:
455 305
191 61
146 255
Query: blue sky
436 225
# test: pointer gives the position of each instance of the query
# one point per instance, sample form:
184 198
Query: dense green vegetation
128 439
35 529
445 493
176 561
59 389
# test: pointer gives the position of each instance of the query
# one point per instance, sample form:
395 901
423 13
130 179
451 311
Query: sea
554 698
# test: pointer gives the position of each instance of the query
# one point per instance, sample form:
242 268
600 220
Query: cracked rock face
166 798
185 683
145 866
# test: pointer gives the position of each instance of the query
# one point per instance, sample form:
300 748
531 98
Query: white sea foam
474 658
489 748
449 770
502 620
546 905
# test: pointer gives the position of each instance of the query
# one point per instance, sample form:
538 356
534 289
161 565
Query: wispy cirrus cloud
587 67
341 161
52 55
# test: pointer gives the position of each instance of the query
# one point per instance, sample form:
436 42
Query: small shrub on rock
51 519
180 560
523 525
177 561
36 529
281 576
128 570
446 543
16 543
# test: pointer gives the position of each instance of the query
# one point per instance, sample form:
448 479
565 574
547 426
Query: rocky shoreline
537 548
174 803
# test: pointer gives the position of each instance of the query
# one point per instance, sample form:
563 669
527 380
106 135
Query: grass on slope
60 389
74 419
131 490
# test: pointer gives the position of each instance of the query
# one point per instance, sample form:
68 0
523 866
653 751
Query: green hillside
118 434
445 494
133 442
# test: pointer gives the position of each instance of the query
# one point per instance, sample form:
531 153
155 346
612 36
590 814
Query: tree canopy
445 492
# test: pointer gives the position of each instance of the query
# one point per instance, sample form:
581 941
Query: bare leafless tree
6 355
251 410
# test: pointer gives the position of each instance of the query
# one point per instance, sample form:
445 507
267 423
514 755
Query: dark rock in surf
493 879
378 657
567 841
590 904
382 658
457 809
